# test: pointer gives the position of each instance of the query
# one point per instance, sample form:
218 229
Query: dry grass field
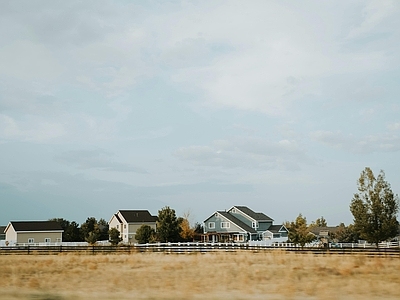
238 275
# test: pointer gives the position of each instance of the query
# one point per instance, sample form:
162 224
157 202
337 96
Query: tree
186 232
299 232
320 222
346 234
145 234
103 226
374 208
114 236
168 228
72 232
90 230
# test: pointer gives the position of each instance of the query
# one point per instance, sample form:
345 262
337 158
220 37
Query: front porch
227 237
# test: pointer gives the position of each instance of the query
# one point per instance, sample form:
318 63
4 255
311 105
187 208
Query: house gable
259 221
213 223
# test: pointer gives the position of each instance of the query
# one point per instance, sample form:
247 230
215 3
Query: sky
196 105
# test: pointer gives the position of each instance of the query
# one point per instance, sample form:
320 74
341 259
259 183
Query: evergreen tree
145 234
114 236
299 232
168 228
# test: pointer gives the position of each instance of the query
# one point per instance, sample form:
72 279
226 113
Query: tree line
374 208
170 228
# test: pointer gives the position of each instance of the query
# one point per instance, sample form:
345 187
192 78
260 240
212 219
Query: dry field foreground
238 275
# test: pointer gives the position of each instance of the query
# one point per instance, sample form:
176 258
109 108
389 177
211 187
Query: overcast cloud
200 105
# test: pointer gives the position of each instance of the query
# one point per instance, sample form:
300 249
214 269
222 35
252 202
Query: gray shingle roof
36 226
252 214
275 228
237 222
134 216
317 230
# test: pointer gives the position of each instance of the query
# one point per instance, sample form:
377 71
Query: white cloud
364 145
41 131
247 153
394 126
374 13
28 61
96 159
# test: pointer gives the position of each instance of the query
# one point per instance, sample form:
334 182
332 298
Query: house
30 232
2 234
128 221
241 224
325 234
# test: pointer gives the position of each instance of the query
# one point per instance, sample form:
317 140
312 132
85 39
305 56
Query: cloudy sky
196 105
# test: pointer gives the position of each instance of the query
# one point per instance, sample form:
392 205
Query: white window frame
47 240
211 225
254 224
225 225
58 240
31 240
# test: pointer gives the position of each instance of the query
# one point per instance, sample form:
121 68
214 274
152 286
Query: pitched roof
317 230
252 214
36 226
275 228
236 221
118 218
2 229
134 216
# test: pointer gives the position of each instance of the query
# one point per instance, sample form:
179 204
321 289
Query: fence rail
390 249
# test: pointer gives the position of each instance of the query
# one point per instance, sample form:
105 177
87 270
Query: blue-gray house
241 224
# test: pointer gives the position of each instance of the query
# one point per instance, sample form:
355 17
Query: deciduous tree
374 208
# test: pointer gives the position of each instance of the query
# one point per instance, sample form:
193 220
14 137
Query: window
58 240
31 240
238 238
254 224
47 240
117 226
211 225
225 225
124 226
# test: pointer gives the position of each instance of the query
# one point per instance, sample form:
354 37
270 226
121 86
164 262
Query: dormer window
254 224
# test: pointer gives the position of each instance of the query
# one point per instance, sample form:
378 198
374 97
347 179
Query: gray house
241 224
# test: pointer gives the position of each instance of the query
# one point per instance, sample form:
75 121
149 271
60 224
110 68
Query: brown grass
239 275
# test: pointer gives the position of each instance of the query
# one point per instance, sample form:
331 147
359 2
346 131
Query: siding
132 228
217 220
39 237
